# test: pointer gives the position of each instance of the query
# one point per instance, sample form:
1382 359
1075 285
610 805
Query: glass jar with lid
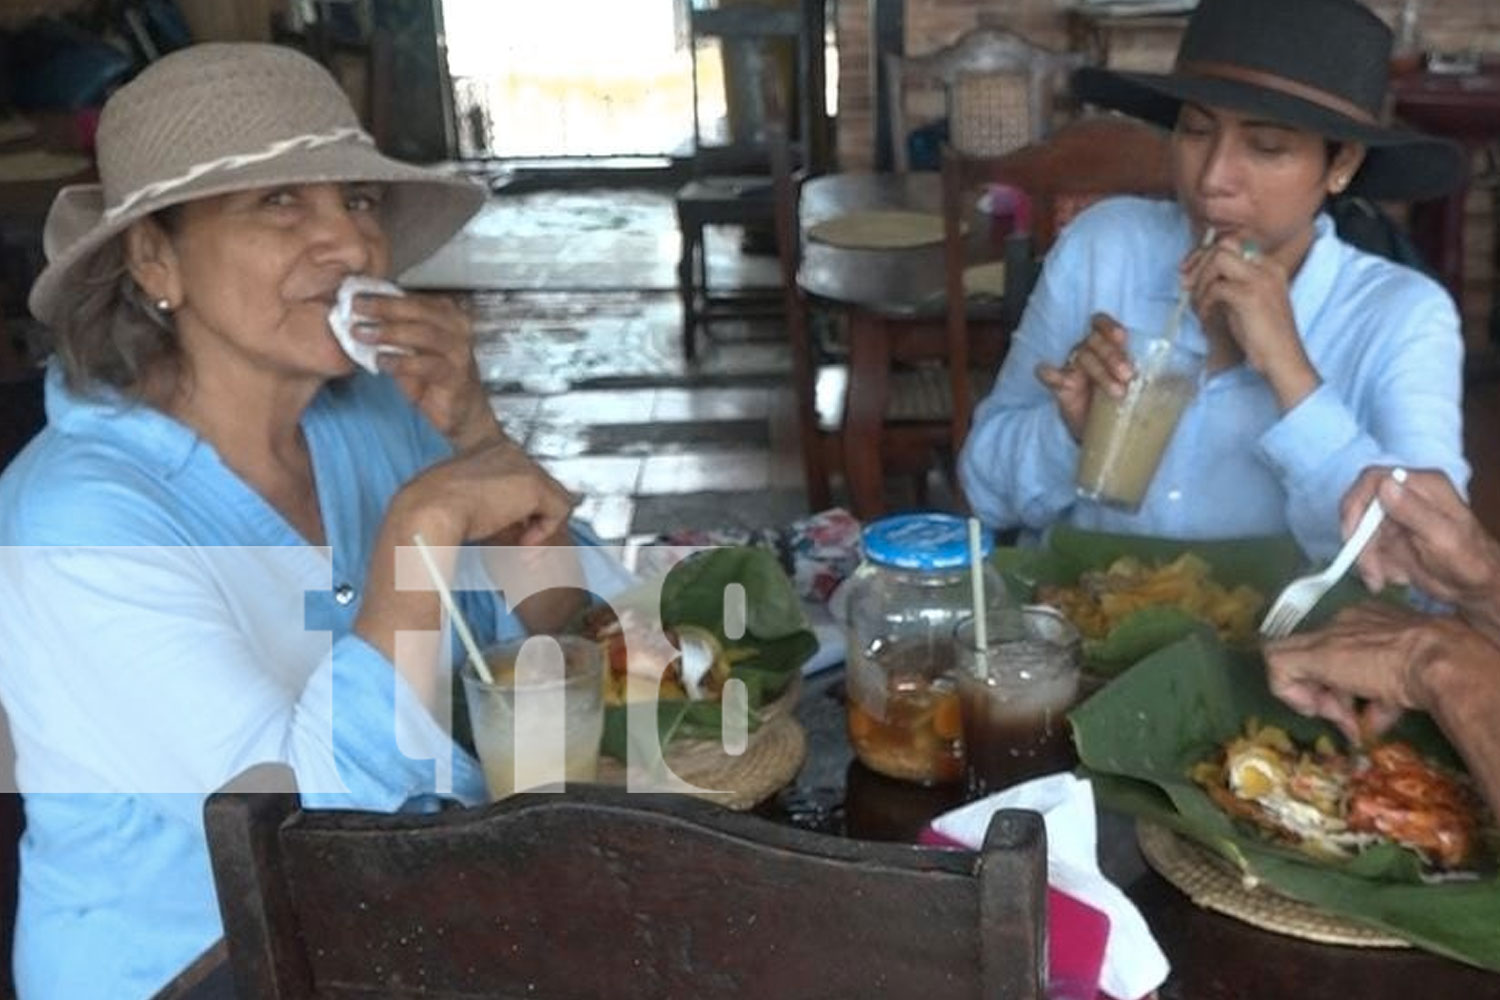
904 601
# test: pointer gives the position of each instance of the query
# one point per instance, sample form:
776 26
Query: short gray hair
112 333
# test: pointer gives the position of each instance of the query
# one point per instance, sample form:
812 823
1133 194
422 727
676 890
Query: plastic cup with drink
538 723
1124 438
1014 692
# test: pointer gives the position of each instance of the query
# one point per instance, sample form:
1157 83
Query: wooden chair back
996 88
1079 164
599 893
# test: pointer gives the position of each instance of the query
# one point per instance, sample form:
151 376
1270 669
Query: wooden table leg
864 413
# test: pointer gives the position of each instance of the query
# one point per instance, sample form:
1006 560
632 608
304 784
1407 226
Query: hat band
281 148
1280 84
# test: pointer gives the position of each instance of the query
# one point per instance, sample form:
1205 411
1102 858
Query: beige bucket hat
214 118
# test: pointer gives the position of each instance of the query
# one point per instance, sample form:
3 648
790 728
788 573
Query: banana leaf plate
1265 564
769 656
1139 736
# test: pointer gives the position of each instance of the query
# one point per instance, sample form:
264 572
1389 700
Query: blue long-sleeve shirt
162 627
1383 338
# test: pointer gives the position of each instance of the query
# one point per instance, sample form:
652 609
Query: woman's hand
1248 293
490 491
1430 540
439 374
1099 361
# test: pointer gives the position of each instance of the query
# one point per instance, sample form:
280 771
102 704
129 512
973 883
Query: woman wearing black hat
1321 360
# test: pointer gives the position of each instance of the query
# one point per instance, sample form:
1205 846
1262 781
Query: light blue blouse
1384 339
213 638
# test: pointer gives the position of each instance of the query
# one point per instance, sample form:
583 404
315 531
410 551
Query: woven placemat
1214 884
772 757
985 279
879 229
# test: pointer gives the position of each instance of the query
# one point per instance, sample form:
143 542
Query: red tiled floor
598 406
711 404
597 474
703 472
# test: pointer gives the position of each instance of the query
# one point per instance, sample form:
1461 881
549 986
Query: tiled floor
580 337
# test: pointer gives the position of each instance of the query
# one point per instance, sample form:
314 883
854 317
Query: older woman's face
258 271
1253 179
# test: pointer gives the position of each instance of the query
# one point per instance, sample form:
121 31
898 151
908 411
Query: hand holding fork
1300 596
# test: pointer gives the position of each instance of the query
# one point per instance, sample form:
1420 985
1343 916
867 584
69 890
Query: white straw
446 595
1175 323
976 572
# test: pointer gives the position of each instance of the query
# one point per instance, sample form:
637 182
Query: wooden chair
600 893
731 182
997 91
1080 163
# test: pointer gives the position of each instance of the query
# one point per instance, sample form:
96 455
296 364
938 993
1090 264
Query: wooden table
1465 108
893 299
1213 957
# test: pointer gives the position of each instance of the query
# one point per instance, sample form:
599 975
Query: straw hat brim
420 211
1399 164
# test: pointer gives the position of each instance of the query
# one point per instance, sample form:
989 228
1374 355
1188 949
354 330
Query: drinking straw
446 595
1175 323
976 573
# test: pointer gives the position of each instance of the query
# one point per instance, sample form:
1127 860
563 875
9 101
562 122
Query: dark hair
112 333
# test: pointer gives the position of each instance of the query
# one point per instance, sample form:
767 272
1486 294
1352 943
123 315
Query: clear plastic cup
1124 439
539 724
1014 695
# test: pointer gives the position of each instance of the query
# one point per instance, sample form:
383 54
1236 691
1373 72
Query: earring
1339 183
163 304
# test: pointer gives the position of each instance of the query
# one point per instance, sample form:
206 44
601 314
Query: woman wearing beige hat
200 562
1321 359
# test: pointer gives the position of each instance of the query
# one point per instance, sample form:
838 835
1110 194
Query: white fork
1303 593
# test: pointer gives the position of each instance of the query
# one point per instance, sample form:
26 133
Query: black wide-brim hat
1319 65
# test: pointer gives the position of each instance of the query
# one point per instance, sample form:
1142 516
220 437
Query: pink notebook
1076 936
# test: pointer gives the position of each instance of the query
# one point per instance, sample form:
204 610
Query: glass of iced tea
540 723
1124 439
1015 694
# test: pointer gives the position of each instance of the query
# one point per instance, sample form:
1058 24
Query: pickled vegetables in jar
903 603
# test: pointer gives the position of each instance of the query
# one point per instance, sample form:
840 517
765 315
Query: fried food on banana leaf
1331 804
681 662
1102 599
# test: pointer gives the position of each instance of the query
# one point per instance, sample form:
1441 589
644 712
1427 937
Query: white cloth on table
1133 962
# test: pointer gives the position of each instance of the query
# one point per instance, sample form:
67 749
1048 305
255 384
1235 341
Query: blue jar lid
923 541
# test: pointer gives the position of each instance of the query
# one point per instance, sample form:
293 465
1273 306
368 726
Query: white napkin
1133 962
342 317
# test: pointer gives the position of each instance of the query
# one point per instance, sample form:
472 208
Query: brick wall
1451 25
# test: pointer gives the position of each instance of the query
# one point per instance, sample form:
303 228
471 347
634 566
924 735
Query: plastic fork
1303 594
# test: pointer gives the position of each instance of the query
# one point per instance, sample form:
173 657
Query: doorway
571 79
